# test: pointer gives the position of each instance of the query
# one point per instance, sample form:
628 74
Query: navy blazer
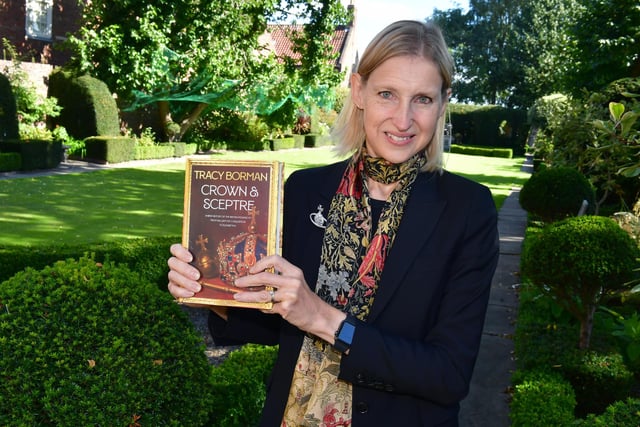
411 362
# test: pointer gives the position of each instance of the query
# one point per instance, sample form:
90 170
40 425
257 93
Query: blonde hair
402 38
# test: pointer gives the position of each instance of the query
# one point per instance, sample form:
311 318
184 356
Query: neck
380 191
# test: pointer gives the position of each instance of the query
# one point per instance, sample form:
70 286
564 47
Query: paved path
74 166
487 404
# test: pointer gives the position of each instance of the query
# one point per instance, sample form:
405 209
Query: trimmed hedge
490 126
35 154
10 162
181 149
105 149
146 152
505 153
147 256
89 343
285 143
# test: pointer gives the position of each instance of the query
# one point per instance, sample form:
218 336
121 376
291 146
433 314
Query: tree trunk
586 326
191 119
165 118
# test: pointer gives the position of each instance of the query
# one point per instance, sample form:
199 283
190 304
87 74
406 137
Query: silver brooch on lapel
318 219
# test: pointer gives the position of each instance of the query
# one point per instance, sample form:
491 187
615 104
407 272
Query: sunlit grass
143 201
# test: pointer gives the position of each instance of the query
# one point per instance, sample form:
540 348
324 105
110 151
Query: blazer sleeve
431 354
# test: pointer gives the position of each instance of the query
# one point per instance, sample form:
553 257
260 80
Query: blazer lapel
421 215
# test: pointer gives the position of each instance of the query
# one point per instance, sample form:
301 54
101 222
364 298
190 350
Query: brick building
36 28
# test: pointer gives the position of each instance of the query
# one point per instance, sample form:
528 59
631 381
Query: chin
398 156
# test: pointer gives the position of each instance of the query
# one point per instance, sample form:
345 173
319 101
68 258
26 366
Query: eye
385 94
423 99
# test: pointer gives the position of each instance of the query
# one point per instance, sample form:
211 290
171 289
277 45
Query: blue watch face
346 333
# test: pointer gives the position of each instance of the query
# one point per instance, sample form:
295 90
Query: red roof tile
279 40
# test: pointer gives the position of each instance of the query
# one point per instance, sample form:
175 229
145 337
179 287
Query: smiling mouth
396 138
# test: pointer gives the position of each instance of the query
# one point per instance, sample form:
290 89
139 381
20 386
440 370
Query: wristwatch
344 334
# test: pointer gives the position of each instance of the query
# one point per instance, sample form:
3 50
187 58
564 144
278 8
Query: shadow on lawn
103 205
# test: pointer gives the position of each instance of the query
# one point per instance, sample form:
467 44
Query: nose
403 116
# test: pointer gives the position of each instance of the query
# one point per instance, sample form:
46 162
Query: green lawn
131 202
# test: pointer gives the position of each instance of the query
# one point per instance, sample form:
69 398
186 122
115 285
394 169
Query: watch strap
344 334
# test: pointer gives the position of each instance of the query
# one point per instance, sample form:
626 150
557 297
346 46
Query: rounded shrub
620 414
85 343
598 380
586 251
542 399
556 193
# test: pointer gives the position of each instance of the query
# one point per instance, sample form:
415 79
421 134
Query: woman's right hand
183 277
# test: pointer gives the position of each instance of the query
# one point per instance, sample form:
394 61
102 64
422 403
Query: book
231 220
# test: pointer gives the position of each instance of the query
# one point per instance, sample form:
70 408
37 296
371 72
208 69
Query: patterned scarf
352 259
351 264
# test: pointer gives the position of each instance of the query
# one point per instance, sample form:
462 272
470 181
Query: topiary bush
598 380
553 194
577 260
85 343
8 111
620 414
89 109
542 399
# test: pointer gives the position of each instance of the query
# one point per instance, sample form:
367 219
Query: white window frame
38 19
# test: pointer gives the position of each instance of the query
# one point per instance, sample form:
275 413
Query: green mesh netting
261 97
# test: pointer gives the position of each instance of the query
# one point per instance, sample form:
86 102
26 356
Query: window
38 19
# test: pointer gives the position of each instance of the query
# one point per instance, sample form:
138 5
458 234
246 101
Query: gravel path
215 354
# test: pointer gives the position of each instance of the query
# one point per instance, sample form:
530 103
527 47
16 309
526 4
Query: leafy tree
486 43
32 108
167 47
181 55
310 73
604 44
547 45
598 134
513 52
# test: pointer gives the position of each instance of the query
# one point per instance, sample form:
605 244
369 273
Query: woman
379 306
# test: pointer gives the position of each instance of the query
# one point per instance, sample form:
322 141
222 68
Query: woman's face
401 104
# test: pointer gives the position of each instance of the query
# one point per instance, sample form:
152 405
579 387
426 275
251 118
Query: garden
577 340
83 272
89 333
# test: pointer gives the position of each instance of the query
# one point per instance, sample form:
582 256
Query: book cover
231 220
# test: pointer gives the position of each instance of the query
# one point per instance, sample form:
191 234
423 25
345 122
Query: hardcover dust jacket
231 219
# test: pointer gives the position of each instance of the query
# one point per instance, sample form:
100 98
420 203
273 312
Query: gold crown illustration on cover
240 252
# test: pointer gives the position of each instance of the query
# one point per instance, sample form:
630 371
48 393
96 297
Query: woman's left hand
292 297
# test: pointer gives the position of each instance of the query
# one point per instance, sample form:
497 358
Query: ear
445 102
356 90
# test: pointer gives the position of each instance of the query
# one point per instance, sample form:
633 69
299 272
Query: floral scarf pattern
351 264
